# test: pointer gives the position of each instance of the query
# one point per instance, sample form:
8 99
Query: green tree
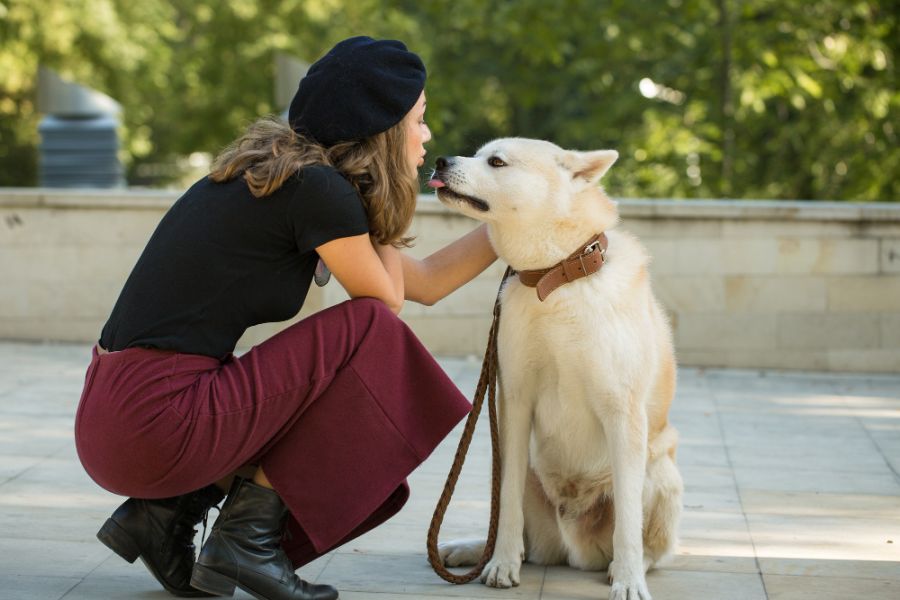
702 98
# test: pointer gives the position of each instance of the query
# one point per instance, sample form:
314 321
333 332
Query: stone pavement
792 492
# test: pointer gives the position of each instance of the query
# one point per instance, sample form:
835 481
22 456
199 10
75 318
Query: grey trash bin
80 152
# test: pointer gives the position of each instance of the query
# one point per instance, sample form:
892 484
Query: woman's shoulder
323 179
322 193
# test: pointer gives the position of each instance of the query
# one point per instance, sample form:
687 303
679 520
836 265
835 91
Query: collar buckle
595 245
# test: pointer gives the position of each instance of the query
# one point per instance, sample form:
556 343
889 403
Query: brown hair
270 152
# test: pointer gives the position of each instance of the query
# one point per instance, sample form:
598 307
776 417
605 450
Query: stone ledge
87 198
428 204
760 209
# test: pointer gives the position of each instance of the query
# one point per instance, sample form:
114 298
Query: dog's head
530 192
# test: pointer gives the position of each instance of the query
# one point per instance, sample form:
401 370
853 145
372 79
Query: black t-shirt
222 260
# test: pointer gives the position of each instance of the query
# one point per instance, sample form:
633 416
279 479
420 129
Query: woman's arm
366 268
431 279
392 259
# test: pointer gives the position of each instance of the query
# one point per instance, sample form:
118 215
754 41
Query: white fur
586 376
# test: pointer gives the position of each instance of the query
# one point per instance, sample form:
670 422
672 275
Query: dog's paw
501 573
636 590
611 572
625 586
461 553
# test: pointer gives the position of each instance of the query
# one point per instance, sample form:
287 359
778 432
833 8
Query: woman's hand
366 268
431 279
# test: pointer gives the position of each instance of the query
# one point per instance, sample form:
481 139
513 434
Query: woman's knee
371 309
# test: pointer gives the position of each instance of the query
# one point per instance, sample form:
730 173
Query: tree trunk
726 109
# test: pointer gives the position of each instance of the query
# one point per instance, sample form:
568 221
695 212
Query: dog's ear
589 166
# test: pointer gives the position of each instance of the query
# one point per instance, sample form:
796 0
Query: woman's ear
589 166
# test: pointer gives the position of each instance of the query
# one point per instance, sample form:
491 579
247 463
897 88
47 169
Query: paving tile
33 435
860 456
57 483
13 466
888 443
115 578
347 595
569 584
42 523
793 474
689 585
754 425
780 587
712 499
795 477
696 427
312 571
7 387
116 567
29 558
457 367
51 399
692 401
707 477
15 587
411 574
120 588
818 504
854 569
706 533
702 452
857 538
404 534
712 564
706 524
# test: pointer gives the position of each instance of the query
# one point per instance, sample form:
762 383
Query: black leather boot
244 550
161 533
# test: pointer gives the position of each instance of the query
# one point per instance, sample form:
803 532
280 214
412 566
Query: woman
315 430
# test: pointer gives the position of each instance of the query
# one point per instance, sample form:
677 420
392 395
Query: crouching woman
314 431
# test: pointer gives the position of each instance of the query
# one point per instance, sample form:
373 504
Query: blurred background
775 99
709 102
793 479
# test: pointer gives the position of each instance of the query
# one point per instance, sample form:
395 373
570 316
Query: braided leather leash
487 382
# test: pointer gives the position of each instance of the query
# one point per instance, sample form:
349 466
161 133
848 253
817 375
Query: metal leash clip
322 274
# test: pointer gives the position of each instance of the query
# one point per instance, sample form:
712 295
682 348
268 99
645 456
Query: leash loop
487 382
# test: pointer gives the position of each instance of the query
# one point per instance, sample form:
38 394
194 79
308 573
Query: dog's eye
496 162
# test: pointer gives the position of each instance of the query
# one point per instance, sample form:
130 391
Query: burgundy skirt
337 409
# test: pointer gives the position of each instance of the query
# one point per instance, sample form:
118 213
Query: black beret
360 88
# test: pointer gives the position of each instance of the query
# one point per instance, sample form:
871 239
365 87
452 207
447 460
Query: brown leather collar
581 263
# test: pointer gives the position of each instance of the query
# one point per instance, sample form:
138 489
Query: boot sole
213 582
119 541
204 578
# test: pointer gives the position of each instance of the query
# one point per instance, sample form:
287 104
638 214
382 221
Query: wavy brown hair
270 152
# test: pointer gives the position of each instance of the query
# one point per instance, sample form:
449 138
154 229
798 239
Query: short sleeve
326 207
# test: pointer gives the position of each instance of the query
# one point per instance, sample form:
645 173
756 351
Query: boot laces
195 510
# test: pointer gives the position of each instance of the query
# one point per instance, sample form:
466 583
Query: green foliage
752 99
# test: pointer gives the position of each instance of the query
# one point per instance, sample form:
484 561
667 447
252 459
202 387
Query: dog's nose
442 162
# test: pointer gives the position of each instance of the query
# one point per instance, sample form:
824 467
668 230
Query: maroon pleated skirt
338 409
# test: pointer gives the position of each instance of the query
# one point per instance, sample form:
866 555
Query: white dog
587 373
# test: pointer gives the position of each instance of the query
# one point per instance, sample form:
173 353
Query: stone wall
796 285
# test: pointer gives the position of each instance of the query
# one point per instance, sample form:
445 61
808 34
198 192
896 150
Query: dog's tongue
435 183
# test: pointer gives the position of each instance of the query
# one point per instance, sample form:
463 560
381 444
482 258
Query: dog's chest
568 454
550 350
